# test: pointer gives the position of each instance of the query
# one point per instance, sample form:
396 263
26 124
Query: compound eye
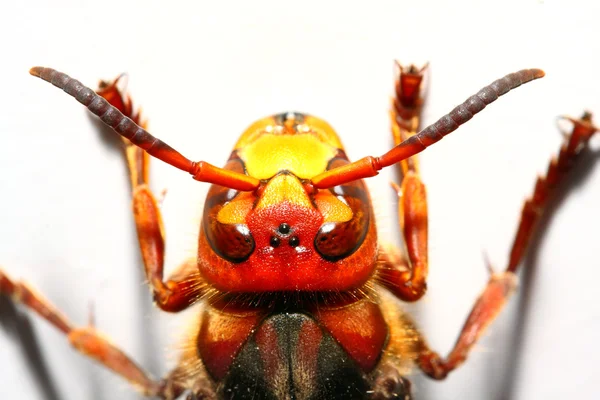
233 242
337 240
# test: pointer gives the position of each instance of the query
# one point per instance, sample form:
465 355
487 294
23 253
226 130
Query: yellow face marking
236 210
284 188
333 209
304 155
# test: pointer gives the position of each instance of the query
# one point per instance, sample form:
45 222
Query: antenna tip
36 71
538 73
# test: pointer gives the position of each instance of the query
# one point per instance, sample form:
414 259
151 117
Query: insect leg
501 285
574 144
174 294
408 284
86 340
137 158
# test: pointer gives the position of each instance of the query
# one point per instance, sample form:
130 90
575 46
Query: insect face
286 235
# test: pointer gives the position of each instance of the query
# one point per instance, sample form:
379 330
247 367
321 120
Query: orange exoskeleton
298 298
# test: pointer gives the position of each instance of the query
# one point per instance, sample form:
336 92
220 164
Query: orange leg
575 142
174 294
86 340
501 285
407 280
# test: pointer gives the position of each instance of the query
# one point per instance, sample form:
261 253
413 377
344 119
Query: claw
488 264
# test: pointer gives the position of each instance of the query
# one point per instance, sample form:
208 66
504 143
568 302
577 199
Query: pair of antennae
363 168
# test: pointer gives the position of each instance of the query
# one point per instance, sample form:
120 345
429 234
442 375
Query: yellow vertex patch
304 155
323 130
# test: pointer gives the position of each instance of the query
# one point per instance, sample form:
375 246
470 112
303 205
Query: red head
286 235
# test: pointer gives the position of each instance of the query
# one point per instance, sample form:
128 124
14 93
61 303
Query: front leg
407 278
179 292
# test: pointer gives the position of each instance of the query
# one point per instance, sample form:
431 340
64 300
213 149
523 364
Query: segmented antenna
125 127
461 114
368 166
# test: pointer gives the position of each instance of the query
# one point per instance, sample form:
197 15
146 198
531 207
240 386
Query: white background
203 72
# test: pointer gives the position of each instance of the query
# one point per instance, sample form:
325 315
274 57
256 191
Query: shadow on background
575 178
18 326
